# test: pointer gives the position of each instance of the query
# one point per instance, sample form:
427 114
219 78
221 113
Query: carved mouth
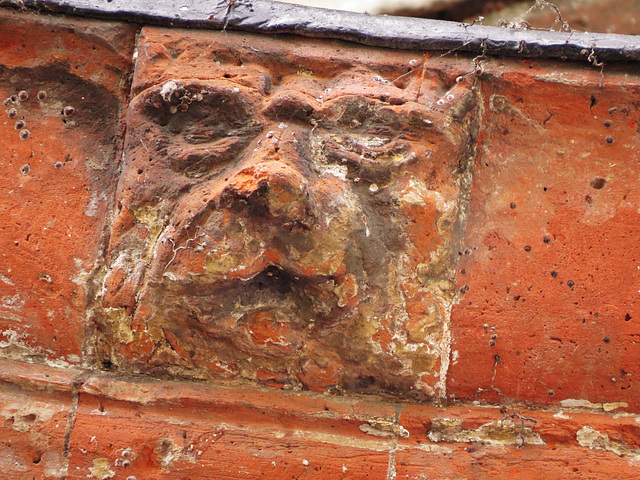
296 299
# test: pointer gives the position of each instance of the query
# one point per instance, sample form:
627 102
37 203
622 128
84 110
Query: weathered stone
36 404
293 214
211 433
285 221
208 431
63 84
551 311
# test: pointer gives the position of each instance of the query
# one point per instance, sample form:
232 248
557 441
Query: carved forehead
271 63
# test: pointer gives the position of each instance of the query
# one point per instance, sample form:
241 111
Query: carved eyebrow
353 111
197 103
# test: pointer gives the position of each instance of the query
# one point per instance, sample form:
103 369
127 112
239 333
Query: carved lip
271 264
300 298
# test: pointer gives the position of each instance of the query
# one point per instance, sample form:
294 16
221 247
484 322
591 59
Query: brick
117 439
521 441
56 184
478 462
550 260
33 433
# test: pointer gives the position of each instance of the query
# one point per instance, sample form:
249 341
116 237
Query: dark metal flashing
264 16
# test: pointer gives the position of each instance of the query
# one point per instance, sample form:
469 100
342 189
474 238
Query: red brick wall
536 344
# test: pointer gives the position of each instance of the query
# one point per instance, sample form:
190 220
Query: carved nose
270 189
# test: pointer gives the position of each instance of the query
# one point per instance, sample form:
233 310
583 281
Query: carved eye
197 161
366 145
369 157
200 129
367 148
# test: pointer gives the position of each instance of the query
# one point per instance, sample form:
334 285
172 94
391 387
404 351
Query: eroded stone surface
284 220
62 85
33 431
552 280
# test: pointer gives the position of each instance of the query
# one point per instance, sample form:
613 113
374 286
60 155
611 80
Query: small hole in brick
598 183
30 418
492 343
608 123
58 165
140 171
527 248
610 139
42 95
23 95
25 169
554 273
24 134
494 336
497 357
546 240
627 317
551 393
512 205
612 110
12 113
606 339
68 111
20 124
571 283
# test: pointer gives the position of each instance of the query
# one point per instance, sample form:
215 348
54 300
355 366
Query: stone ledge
217 432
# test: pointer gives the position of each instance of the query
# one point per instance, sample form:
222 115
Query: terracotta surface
117 427
553 271
63 85
312 259
286 223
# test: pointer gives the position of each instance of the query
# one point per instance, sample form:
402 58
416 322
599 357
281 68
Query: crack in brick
78 382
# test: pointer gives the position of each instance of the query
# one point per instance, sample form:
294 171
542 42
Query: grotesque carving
284 221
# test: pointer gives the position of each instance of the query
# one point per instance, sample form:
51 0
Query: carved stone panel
287 215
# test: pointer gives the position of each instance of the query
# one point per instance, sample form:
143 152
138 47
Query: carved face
284 227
